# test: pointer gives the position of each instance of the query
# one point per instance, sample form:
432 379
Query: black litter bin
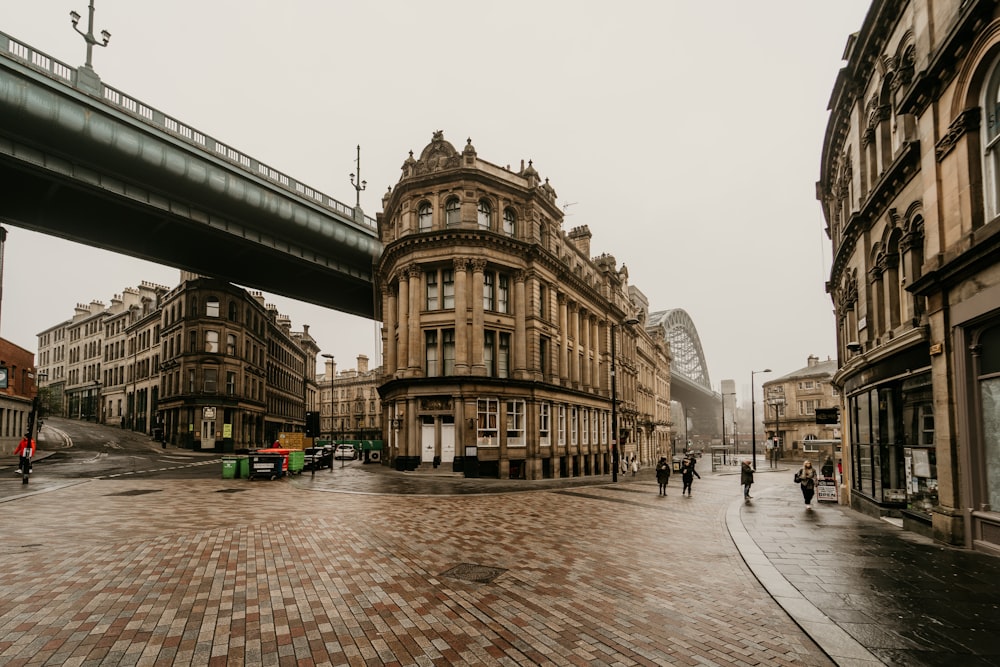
266 465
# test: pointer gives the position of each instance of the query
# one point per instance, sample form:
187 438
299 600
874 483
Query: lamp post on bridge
89 35
360 185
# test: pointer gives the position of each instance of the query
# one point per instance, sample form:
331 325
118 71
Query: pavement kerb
830 637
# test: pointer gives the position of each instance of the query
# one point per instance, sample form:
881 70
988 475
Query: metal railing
67 75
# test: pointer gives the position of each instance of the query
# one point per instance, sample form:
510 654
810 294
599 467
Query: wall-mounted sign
208 413
936 348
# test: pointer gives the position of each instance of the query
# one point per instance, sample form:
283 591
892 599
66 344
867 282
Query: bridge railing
67 75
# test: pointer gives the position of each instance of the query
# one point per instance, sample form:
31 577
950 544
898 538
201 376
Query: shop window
488 419
544 423
515 424
989 406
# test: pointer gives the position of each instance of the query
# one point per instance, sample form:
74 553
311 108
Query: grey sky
686 135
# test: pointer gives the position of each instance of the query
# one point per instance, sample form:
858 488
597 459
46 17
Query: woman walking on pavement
807 481
663 474
688 473
746 479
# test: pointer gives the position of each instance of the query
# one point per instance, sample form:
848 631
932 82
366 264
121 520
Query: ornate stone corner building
497 326
910 189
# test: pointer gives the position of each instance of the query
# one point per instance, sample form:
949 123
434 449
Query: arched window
484 214
508 221
451 212
991 141
424 217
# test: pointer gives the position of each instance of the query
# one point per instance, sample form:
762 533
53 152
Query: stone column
520 332
414 345
389 310
563 342
461 265
595 351
478 268
403 318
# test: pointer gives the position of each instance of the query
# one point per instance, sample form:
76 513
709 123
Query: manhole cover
135 492
471 572
230 490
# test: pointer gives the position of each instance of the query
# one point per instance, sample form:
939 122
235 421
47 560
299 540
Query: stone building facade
204 365
350 407
910 189
498 325
790 405
16 397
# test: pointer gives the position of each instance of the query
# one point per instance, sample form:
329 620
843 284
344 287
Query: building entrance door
427 443
447 443
208 434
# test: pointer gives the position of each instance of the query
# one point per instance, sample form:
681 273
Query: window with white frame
585 431
448 351
991 140
432 290
484 214
509 218
604 428
515 424
431 353
544 424
489 291
211 341
212 307
573 426
489 352
561 418
448 289
424 217
452 212
807 407
488 419
503 293
593 426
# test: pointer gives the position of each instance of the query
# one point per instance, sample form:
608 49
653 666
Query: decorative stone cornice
967 121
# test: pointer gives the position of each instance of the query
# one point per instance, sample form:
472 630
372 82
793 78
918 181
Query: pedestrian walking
827 468
663 474
24 451
688 473
806 477
746 479
635 465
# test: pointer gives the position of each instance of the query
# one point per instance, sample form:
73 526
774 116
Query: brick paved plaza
292 572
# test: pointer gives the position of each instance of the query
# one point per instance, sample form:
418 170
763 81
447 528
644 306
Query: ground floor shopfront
218 428
889 409
487 431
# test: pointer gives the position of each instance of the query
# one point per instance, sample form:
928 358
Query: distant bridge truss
685 346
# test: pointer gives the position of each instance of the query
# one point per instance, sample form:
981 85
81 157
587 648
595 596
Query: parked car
345 452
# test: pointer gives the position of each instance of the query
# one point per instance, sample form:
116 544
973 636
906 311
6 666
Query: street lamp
615 460
735 444
753 419
89 35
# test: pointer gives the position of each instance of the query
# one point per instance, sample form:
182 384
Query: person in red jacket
25 450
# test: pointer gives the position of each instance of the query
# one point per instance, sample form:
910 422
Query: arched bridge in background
689 381
88 163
